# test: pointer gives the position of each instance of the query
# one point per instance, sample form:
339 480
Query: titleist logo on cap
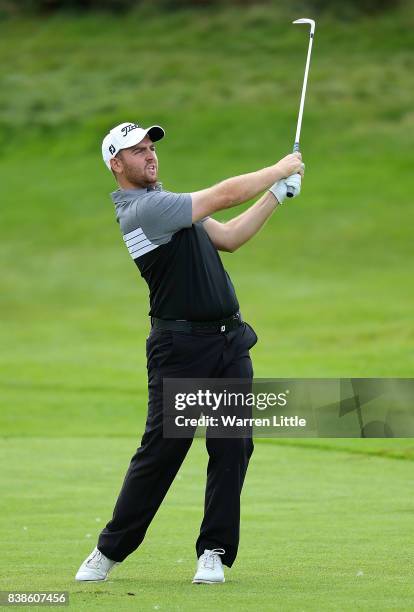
128 128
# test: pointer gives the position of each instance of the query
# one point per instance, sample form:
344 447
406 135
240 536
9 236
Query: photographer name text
233 421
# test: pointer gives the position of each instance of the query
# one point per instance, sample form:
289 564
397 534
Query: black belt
212 327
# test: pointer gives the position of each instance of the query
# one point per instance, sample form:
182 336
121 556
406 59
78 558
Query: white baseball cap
127 135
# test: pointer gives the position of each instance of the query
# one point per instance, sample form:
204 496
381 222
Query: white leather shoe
209 567
95 567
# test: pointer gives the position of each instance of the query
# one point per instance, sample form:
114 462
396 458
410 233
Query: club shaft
302 99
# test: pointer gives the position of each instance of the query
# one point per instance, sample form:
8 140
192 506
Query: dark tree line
18 7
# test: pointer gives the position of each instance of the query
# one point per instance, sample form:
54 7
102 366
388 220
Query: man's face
137 165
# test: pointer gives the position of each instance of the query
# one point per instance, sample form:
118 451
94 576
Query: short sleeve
162 213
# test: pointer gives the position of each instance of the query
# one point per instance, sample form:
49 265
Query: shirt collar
122 195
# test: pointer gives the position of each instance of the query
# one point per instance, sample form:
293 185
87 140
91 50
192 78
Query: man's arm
236 232
239 189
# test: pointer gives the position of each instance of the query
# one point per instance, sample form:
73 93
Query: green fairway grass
327 285
320 529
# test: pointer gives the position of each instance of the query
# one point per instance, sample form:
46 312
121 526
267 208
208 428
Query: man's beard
138 178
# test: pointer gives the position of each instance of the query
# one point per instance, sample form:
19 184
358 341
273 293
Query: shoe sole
91 580
209 581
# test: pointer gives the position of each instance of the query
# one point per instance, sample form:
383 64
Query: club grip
289 191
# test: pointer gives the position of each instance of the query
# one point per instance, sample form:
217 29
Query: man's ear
116 165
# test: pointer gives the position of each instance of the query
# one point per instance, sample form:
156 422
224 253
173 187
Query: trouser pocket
249 335
159 347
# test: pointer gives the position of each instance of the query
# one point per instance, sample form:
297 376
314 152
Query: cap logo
128 128
112 149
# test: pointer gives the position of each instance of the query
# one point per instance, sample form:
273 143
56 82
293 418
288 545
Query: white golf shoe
210 567
95 567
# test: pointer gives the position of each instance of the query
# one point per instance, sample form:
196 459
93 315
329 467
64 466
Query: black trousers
157 461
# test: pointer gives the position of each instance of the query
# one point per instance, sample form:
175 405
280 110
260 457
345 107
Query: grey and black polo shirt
180 264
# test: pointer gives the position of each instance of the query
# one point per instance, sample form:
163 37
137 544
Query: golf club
305 82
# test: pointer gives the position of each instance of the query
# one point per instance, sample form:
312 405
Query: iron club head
309 21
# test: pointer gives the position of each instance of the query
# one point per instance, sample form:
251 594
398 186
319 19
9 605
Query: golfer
196 332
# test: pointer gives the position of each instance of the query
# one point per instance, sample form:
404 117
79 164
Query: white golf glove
294 182
279 189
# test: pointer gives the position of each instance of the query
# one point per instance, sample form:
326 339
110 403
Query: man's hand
279 189
294 183
291 164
